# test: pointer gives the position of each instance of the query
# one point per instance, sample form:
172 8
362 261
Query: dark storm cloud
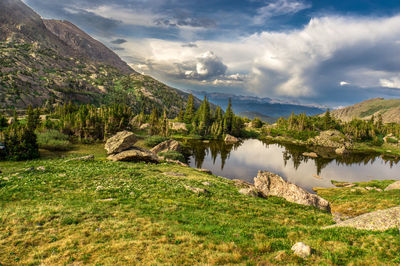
183 18
189 45
118 41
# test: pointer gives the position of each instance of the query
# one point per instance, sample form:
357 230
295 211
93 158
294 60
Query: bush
53 140
154 140
392 140
173 155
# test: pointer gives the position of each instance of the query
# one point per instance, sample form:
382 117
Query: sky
319 52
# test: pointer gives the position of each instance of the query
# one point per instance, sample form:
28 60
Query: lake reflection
243 161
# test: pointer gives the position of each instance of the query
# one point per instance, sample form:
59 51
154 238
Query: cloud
207 66
185 19
393 83
279 8
189 45
344 83
118 41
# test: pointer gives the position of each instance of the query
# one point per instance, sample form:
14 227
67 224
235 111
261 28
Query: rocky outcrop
341 151
145 126
178 126
331 139
135 154
168 145
231 139
270 184
196 189
121 141
395 185
378 220
251 191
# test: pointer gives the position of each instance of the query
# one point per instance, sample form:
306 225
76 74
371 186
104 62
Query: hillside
252 115
264 106
47 62
389 109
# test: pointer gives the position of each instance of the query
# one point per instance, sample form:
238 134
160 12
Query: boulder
330 138
121 141
196 189
169 145
395 185
381 220
249 192
302 250
135 154
145 126
231 139
340 151
270 184
310 154
178 126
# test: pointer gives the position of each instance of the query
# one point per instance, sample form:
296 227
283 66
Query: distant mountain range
47 62
269 108
389 109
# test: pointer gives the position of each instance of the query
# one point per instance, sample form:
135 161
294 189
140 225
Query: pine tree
164 124
228 118
189 112
153 122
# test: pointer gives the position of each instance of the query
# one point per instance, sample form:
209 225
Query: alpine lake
244 159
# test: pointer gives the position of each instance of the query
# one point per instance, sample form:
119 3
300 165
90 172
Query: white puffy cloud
344 83
393 83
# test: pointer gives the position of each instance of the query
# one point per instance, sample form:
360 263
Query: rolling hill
388 108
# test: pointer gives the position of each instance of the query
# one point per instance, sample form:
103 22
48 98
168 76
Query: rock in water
135 154
121 141
231 139
270 184
169 145
302 250
395 185
381 220
310 154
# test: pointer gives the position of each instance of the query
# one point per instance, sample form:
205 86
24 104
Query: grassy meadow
103 213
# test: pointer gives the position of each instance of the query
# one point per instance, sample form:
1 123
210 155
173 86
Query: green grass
102 212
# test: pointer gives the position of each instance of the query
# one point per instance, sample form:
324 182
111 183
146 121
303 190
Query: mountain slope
51 62
389 109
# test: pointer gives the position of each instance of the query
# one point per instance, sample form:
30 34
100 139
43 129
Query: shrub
173 155
154 140
392 140
53 140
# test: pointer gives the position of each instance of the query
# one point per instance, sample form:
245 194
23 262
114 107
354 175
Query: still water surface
243 161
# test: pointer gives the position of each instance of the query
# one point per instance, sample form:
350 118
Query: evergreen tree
181 115
164 124
228 118
153 120
189 112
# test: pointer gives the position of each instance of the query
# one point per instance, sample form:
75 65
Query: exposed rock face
302 250
378 220
134 154
310 154
168 145
178 126
331 139
270 184
231 139
120 142
395 185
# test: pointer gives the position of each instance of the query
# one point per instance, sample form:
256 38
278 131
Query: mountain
389 109
47 62
251 115
265 106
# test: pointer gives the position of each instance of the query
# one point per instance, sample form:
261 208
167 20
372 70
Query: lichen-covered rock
395 185
340 151
302 250
381 220
270 184
231 139
249 192
121 141
169 145
135 154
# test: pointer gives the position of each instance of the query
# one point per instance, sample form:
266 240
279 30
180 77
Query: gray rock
177 162
121 141
168 145
270 184
231 139
340 151
381 220
196 189
395 185
249 192
145 126
178 126
302 250
41 168
330 138
205 171
310 154
135 154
